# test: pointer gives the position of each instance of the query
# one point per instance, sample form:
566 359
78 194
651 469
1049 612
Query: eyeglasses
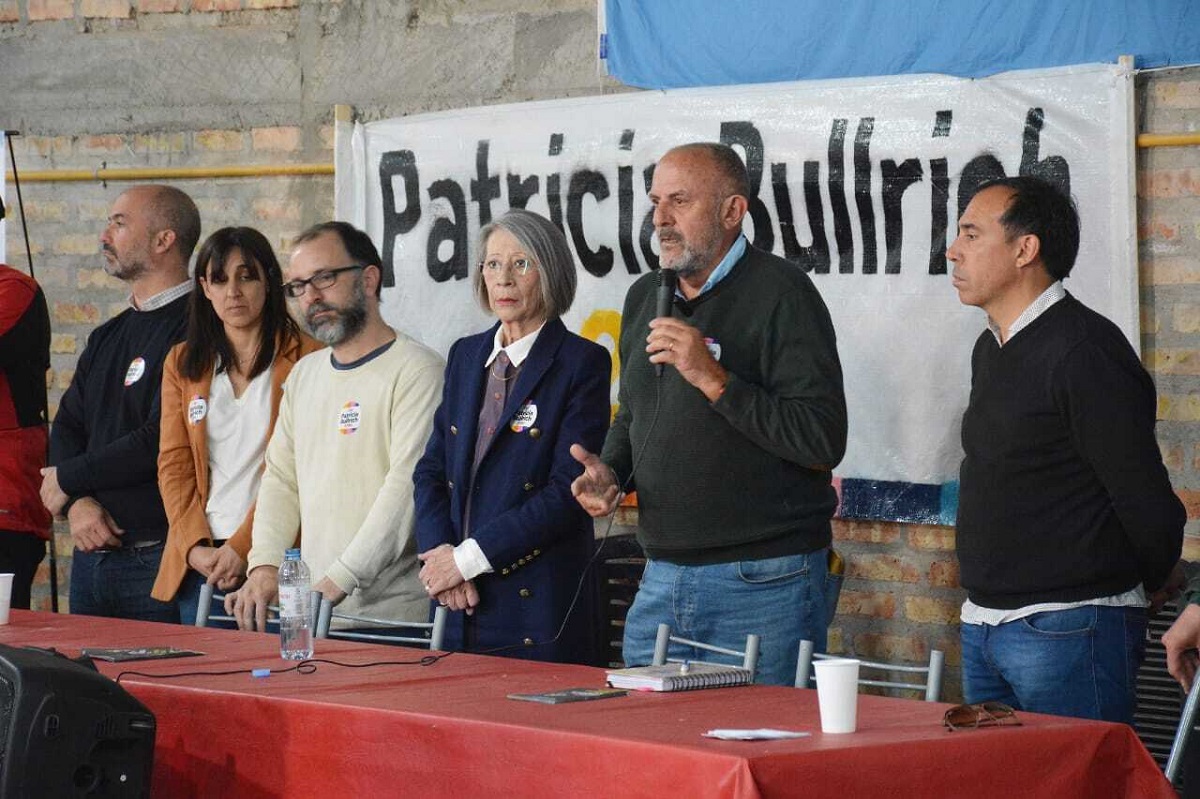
983 714
321 280
519 265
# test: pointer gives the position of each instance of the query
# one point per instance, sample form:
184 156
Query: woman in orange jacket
220 396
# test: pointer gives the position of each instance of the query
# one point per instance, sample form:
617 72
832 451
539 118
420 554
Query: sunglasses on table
983 714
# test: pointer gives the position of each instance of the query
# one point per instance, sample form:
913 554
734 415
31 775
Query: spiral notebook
679 677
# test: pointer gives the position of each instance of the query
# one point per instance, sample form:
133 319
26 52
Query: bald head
168 208
149 238
699 197
725 167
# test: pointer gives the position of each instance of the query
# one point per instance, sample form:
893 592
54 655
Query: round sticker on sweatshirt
524 418
714 347
137 368
349 418
197 409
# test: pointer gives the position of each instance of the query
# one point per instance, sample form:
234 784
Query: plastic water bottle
295 608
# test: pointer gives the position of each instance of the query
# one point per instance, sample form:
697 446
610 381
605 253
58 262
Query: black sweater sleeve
1110 401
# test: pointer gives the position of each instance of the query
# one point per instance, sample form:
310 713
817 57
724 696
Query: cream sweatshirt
339 467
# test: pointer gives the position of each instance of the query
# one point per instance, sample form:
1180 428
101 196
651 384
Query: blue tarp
675 43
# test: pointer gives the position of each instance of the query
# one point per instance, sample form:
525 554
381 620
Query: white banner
858 181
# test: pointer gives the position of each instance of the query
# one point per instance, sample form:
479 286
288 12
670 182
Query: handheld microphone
667 280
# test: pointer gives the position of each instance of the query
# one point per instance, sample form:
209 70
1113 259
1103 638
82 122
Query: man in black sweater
1067 523
104 441
731 447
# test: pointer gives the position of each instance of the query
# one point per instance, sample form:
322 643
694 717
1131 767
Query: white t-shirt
237 442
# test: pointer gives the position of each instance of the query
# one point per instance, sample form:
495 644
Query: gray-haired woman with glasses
503 542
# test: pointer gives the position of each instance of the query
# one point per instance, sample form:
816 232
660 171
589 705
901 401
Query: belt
134 545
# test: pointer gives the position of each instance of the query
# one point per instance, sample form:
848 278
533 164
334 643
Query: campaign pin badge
349 418
197 409
137 368
524 418
714 347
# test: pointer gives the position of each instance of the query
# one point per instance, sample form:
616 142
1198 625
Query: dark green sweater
1063 495
749 476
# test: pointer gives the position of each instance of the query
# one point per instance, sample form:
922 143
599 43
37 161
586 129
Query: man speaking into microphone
731 446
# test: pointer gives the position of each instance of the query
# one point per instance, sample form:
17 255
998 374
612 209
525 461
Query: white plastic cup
837 694
5 596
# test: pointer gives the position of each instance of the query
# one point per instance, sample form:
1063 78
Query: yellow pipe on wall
1147 140
172 173
1144 141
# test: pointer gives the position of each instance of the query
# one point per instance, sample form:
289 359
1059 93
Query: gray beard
692 260
689 263
124 271
350 321
688 266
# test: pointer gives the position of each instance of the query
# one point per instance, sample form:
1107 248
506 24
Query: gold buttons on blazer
528 642
529 486
537 552
453 429
534 432
504 572
525 593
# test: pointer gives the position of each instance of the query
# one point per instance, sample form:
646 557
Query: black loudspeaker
66 730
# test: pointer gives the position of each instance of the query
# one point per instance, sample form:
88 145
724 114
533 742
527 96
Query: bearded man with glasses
352 423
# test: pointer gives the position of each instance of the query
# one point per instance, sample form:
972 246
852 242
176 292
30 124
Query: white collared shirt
1053 293
162 298
517 351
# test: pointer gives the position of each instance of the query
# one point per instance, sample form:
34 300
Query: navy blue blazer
533 532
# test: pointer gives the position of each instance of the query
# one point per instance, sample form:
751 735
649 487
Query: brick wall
170 83
65 220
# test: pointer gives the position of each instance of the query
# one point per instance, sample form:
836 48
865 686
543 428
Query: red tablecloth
448 729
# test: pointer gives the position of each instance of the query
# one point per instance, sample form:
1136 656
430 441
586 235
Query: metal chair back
1187 720
429 634
663 641
204 612
931 685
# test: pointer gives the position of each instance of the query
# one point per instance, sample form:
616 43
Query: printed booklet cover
569 695
138 653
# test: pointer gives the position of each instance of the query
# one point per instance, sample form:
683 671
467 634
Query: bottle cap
260 673
292 554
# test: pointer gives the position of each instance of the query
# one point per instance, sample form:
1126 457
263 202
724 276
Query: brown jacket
183 474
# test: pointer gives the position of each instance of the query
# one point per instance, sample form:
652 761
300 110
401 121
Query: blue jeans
780 599
1080 662
187 599
117 583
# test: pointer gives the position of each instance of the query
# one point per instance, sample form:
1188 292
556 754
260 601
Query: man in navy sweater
104 442
1067 523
